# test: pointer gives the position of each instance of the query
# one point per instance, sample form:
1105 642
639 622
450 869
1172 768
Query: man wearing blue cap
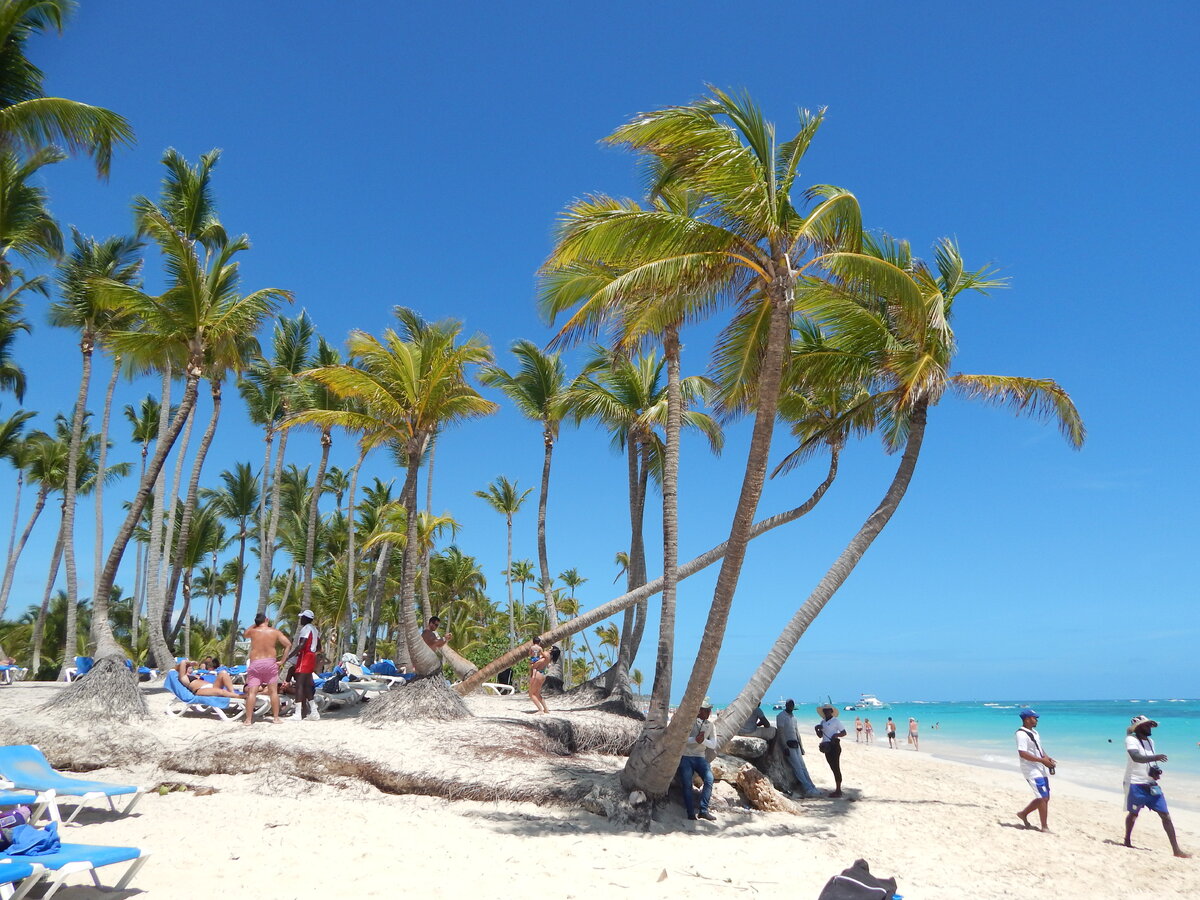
1036 766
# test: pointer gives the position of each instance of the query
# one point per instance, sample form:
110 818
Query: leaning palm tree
85 309
29 119
406 390
541 391
888 321
503 497
739 240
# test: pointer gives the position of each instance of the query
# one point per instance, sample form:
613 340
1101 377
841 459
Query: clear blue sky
415 154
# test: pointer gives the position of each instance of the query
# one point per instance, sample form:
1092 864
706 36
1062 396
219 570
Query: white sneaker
295 717
313 713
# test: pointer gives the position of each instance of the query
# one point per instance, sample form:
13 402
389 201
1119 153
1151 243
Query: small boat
781 703
869 701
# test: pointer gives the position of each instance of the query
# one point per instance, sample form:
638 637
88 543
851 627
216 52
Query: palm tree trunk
189 506
12 534
369 624
660 693
266 555
752 694
264 497
237 599
425 661
310 544
512 609
426 609
38 506
351 553
543 562
154 636
98 547
639 595
39 627
186 615
168 583
70 491
136 604
655 755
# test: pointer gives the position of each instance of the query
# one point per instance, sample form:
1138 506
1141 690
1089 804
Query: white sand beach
943 829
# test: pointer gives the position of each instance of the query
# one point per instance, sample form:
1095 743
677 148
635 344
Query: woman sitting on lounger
221 687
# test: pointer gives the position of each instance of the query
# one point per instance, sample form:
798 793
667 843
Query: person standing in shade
1141 781
785 726
701 739
830 732
304 651
1036 766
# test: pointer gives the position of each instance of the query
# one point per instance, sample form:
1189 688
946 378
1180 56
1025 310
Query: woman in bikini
538 661
858 729
222 686
913 736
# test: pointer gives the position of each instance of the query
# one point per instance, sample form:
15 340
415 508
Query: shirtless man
431 637
264 664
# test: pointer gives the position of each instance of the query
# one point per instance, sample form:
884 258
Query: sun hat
307 614
1140 720
706 703
1028 713
824 706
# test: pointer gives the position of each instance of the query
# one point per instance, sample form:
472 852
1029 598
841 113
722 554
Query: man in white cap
1141 781
702 738
1036 766
305 651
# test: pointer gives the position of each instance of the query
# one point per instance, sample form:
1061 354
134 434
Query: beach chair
498 689
227 709
37 805
83 665
70 859
18 877
26 767
9 674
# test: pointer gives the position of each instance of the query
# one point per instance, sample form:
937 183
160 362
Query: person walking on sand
539 660
1141 781
891 733
914 737
304 651
701 739
858 729
868 731
263 667
830 732
785 729
1036 766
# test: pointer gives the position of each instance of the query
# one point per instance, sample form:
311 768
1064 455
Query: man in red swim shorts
263 668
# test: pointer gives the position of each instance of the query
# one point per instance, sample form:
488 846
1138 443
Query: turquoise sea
1086 737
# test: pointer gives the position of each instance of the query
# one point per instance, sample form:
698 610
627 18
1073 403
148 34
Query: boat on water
868 701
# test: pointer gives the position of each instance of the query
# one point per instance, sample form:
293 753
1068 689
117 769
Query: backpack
857 883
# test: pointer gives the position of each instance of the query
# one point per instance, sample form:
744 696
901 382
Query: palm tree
12 323
28 118
84 308
738 239
237 501
502 496
888 321
27 228
206 538
541 391
13 448
407 388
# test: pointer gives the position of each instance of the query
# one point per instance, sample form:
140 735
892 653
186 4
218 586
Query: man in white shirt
1036 766
830 733
785 724
703 737
1141 781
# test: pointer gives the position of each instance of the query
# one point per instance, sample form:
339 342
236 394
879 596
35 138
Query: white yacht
870 701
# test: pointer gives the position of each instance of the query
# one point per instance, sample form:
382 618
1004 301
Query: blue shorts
1041 786
1147 795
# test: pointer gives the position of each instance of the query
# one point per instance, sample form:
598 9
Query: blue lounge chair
227 709
26 767
17 877
37 805
70 859
83 665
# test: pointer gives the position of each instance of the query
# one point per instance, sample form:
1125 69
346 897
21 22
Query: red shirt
307 661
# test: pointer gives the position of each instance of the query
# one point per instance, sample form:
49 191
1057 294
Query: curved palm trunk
266 558
655 756
425 661
752 694
640 595
106 642
426 609
70 491
189 506
310 544
39 627
101 467
38 505
660 693
169 583
16 517
543 562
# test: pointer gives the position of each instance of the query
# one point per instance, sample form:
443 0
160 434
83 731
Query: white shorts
1040 785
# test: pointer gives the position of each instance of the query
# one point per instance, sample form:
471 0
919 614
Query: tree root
423 698
109 691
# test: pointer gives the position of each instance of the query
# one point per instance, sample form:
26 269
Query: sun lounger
26 767
71 859
500 690
83 665
18 878
9 674
227 709
10 798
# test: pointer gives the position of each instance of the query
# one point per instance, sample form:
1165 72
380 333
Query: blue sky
396 154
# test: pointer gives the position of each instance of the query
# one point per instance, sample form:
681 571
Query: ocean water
1085 737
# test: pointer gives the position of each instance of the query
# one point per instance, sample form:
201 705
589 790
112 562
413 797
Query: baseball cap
1028 712
307 614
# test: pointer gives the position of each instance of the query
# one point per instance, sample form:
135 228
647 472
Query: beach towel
29 841
857 883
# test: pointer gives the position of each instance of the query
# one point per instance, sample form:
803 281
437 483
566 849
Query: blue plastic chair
226 709
27 768
18 877
36 805
72 858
